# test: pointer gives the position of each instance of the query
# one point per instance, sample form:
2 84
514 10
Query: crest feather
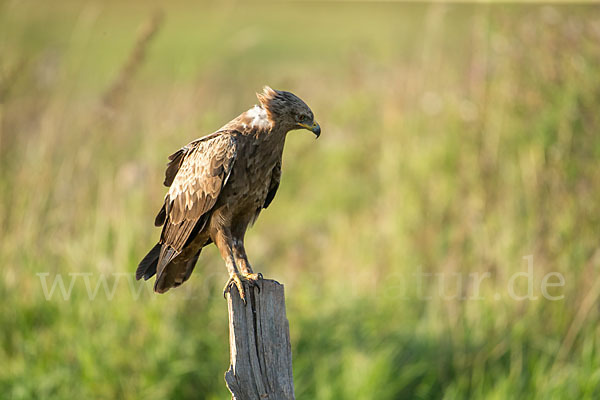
266 96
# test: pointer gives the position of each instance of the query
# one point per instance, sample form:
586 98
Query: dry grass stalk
113 96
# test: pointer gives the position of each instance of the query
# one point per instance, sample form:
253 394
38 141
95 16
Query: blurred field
456 140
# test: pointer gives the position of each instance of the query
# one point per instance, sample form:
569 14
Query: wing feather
274 185
176 159
203 169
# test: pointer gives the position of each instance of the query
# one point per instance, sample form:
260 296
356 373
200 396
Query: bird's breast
250 178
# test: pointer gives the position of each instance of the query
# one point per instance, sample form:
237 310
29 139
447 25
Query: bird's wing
173 166
196 174
274 185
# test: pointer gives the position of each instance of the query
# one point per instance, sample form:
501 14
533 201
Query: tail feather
147 267
175 273
167 254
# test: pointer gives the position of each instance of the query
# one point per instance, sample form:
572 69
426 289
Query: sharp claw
237 281
253 279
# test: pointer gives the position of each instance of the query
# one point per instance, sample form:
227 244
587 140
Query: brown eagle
218 185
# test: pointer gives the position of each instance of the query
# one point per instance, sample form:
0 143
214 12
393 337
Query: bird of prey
218 185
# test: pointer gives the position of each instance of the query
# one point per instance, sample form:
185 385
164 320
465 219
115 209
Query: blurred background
457 168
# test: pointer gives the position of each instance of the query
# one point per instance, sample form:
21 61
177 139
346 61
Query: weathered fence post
259 344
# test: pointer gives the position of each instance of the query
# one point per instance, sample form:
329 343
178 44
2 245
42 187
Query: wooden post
259 344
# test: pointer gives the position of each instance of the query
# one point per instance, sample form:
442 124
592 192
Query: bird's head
288 110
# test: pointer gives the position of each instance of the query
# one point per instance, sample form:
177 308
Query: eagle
218 185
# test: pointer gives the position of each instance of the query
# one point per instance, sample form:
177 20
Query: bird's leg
223 243
241 259
235 278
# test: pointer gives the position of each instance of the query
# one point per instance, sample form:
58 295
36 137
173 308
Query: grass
457 141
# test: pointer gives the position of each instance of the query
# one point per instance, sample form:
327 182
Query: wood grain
259 344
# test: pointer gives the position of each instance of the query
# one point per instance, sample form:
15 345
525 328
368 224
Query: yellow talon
235 279
253 277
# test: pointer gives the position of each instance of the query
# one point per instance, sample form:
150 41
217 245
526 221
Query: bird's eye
303 118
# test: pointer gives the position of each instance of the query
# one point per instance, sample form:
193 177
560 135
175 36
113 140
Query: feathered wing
196 174
274 185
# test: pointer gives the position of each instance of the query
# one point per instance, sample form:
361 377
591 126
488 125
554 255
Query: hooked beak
314 128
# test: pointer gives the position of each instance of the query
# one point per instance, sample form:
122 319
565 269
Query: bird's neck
257 118
259 122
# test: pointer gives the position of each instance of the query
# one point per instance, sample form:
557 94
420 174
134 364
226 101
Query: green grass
456 140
